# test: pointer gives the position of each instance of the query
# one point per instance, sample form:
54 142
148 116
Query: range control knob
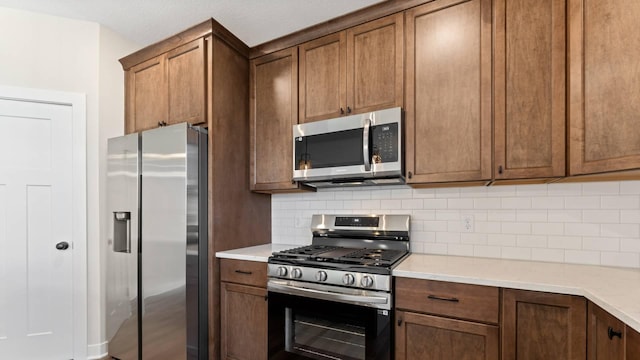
321 276
348 279
367 281
297 273
282 271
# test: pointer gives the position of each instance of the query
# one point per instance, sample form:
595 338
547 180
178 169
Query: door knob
63 245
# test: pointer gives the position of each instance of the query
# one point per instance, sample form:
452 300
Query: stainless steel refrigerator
156 260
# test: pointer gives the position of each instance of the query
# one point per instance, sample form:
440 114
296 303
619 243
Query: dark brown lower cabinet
424 337
633 344
243 322
540 325
605 335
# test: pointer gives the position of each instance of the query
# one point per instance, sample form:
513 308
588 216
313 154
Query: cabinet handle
348 110
159 123
450 299
244 272
400 322
341 111
266 297
611 333
410 174
500 169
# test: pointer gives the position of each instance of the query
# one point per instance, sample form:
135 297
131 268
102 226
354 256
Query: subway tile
361 195
630 245
502 239
531 215
488 227
438 249
473 238
402 194
601 216
582 202
566 216
550 255
460 250
630 216
423 236
547 228
488 203
601 188
473 191
516 253
320 205
532 241
487 251
352 204
447 237
435 203
424 214
501 190
335 204
621 202
391 204
381 194
600 243
371 204
582 257
630 187
564 189
460 203
417 247
300 205
447 193
344 195
424 193
454 226
555 202
447 215
321 194
516 228
620 230
412 204
532 190
435 225
501 215
581 229
416 225
631 260
516 203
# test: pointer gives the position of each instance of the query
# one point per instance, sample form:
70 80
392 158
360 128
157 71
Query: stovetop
328 256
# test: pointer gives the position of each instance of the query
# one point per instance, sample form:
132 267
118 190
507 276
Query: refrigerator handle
122 231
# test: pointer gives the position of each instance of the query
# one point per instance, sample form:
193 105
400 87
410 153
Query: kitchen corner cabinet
441 320
273 113
353 71
244 310
604 73
448 92
529 89
539 325
609 338
167 89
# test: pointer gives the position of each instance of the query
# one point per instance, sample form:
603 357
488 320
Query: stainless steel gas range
333 298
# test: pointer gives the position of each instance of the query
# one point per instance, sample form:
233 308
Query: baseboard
97 351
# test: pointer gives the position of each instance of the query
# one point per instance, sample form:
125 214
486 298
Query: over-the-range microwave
355 150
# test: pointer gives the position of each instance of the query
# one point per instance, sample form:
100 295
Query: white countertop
254 253
616 290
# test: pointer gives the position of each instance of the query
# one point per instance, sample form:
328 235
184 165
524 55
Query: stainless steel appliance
157 244
333 298
363 149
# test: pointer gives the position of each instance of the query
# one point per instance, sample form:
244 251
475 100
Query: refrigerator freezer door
122 247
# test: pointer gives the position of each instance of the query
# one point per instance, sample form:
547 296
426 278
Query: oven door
310 327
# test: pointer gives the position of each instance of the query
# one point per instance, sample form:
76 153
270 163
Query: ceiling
148 21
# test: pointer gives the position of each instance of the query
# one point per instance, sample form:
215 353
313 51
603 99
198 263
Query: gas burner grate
307 251
380 256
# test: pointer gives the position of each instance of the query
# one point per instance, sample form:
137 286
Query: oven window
321 338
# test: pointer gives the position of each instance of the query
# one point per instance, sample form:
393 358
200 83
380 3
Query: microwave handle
365 144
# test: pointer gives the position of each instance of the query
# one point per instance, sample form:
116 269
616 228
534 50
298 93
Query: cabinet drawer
243 272
472 302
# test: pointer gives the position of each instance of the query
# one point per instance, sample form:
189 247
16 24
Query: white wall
48 52
586 223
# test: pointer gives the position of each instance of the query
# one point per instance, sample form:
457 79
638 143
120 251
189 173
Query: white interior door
36 279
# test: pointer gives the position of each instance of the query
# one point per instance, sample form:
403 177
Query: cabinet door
243 322
633 344
375 68
186 81
146 95
323 84
431 337
604 48
537 325
448 94
605 335
274 111
529 61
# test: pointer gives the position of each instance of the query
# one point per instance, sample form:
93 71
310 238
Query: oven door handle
324 295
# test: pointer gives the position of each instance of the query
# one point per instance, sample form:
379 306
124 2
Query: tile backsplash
586 223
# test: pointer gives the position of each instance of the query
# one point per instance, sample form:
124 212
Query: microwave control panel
384 140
